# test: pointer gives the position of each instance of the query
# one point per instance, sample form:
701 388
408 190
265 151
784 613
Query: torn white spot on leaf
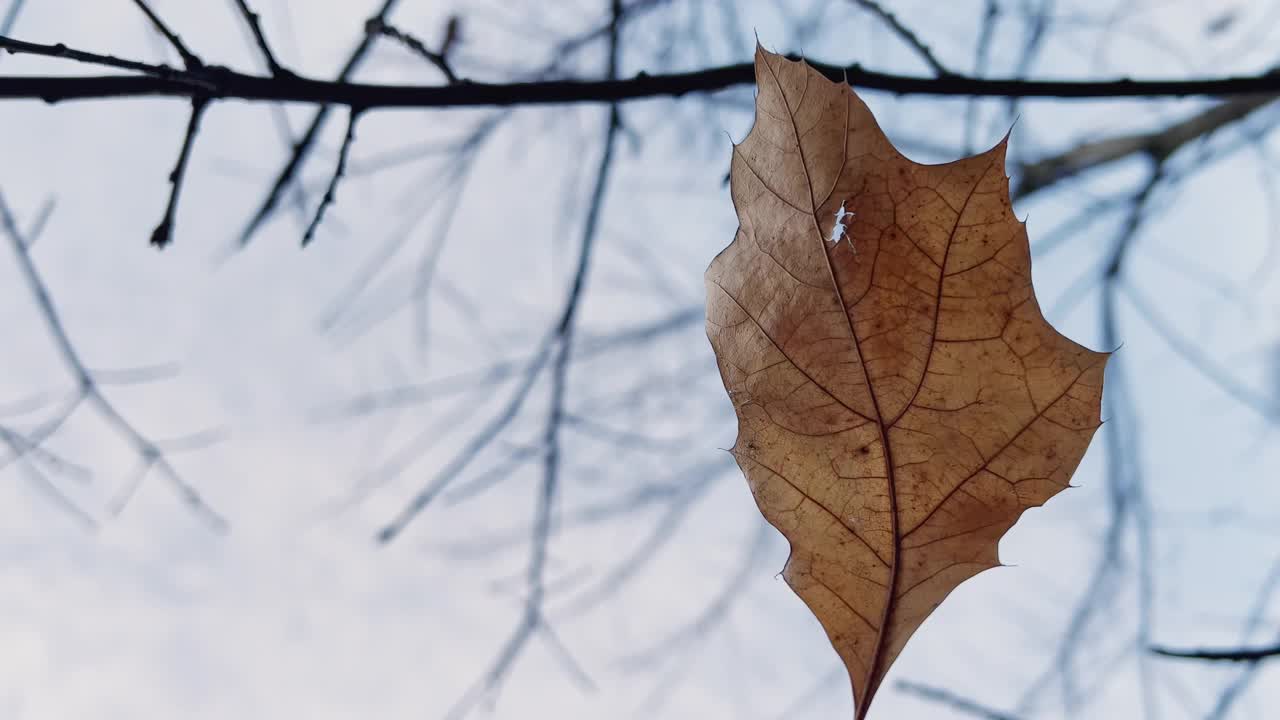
840 229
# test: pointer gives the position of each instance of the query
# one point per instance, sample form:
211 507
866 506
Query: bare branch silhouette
163 234
224 84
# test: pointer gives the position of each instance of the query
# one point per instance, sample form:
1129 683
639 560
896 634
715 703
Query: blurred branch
1126 502
1268 408
906 35
533 617
476 445
1232 691
982 53
26 452
88 390
1037 26
951 700
11 16
1125 481
591 346
1157 144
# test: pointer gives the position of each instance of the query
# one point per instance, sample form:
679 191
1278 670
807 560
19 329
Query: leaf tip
1000 150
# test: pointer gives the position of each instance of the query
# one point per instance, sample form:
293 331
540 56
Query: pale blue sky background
296 613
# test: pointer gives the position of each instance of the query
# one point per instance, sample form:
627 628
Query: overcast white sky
297 613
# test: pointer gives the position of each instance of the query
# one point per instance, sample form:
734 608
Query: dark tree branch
229 84
218 83
254 22
1221 655
163 234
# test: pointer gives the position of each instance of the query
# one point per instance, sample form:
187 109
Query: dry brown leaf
901 399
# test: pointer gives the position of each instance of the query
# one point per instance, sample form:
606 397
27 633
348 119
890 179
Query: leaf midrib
886 617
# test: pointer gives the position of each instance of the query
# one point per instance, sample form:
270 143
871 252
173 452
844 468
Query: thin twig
906 35
470 451
291 168
189 59
438 59
254 22
163 234
340 168
58 50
